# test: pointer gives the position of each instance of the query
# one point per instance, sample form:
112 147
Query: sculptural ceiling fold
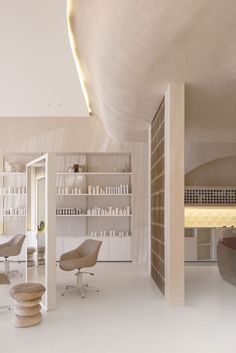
131 49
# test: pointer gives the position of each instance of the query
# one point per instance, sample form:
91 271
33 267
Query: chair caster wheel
62 294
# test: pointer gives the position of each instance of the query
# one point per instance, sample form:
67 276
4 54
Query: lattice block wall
210 195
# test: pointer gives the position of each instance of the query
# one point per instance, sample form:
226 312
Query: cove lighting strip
210 217
71 32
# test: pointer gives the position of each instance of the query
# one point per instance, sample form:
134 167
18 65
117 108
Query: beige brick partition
157 198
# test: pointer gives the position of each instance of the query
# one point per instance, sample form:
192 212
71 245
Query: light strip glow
70 15
210 217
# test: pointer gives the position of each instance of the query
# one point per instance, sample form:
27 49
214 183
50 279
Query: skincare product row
70 211
110 233
13 190
121 189
110 211
68 190
95 211
12 211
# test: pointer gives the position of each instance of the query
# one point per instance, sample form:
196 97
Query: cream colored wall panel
190 249
120 248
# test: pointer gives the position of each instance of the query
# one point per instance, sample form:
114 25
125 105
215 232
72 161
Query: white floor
130 315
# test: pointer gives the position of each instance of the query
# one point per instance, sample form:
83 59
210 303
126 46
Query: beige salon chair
11 248
84 256
226 259
4 280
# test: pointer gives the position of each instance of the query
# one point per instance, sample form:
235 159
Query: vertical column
51 231
174 194
1 197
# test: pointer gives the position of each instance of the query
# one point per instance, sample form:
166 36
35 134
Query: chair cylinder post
6 266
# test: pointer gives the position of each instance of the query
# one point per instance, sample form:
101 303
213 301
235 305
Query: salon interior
117 176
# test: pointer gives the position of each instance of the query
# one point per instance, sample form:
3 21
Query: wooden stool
30 257
27 297
41 253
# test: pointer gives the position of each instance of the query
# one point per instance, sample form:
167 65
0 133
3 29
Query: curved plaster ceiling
131 49
213 173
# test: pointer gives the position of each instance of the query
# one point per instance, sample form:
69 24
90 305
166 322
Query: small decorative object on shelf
41 226
12 167
9 167
76 168
70 170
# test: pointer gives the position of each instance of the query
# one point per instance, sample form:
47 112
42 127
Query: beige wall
220 172
83 135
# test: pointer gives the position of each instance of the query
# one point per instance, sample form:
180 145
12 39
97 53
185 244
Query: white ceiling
37 72
131 50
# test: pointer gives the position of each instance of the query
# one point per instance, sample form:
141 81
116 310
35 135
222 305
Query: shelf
86 215
98 236
94 194
95 173
12 174
12 215
13 194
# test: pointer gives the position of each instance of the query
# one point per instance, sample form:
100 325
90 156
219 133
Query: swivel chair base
80 287
7 270
5 307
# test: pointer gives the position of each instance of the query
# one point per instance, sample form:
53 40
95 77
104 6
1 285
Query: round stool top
41 249
31 250
27 291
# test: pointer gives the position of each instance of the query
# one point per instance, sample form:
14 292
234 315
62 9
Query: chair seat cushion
27 291
69 265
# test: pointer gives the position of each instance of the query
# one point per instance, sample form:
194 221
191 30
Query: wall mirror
41 221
